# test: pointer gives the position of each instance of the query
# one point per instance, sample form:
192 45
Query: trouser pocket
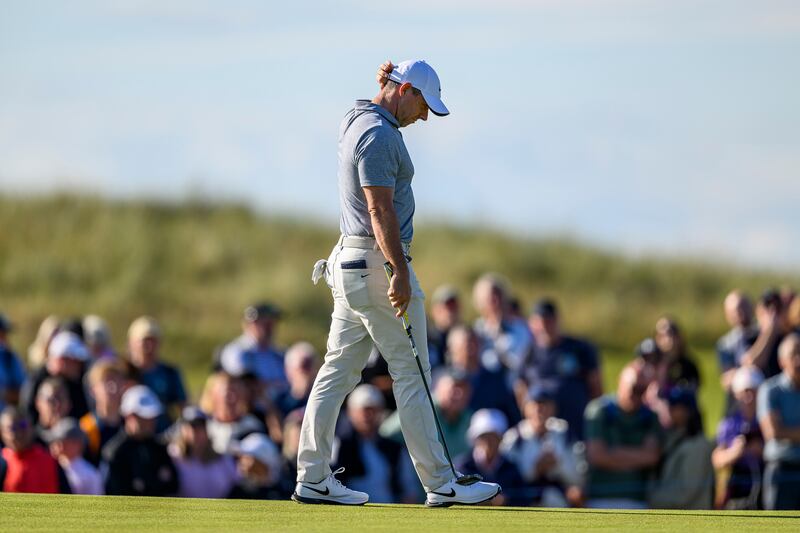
355 277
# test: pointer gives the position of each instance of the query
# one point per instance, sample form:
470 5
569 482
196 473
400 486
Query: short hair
788 345
103 370
392 85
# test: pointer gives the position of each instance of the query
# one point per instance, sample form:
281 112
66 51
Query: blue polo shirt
779 394
564 369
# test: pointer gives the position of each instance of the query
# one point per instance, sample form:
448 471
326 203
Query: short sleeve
589 357
377 158
767 400
593 421
178 390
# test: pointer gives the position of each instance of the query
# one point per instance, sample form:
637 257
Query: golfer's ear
404 88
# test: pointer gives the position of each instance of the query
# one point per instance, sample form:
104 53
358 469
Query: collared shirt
372 153
779 394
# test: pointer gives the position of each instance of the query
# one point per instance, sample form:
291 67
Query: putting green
29 512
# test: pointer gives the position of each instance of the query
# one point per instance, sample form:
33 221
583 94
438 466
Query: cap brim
436 105
148 413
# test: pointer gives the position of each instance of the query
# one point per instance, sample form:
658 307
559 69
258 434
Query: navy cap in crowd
545 308
262 310
541 394
682 396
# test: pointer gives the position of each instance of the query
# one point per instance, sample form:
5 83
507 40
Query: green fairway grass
29 512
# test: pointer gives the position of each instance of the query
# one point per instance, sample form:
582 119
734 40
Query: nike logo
323 492
451 495
364 275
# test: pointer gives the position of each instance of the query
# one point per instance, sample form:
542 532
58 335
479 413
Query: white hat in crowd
68 344
258 446
365 395
422 76
139 400
746 377
486 421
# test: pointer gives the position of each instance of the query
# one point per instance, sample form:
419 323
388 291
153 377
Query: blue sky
646 126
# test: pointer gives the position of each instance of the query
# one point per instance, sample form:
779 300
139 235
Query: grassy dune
195 266
28 513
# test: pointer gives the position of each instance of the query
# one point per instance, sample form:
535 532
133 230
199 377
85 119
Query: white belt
367 243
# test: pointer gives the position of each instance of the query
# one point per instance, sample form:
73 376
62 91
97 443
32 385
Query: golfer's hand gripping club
461 479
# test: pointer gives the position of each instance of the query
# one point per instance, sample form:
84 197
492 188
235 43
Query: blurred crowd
521 403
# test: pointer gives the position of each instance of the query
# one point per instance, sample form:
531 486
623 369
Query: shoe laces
333 475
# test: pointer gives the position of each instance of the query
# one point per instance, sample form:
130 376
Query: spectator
52 406
445 314
490 388
622 444
451 395
291 443
225 398
505 340
98 338
677 368
485 432
539 445
138 464
144 341
256 343
66 357
732 346
772 326
793 315
302 364
370 462
202 472
376 372
686 476
12 373
106 382
779 416
740 445
565 365
67 443
28 466
37 351
259 464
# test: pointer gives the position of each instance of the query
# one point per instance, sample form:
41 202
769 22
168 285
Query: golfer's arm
380 203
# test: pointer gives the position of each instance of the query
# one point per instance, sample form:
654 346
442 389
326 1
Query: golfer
377 210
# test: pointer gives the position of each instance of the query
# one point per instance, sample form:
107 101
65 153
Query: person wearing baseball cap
67 443
254 352
377 208
166 381
12 372
259 463
486 429
138 464
445 315
67 357
540 447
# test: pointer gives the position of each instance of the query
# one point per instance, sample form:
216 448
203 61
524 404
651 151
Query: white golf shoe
451 493
329 491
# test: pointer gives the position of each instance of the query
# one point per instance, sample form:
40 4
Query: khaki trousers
362 315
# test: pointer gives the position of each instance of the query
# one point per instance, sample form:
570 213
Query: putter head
469 479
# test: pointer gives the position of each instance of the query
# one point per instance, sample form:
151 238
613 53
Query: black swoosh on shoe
451 495
325 492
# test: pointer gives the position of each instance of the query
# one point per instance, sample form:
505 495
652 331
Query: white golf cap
422 76
68 344
264 450
486 421
746 377
365 396
139 400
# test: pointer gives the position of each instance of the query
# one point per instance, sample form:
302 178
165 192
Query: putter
465 479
